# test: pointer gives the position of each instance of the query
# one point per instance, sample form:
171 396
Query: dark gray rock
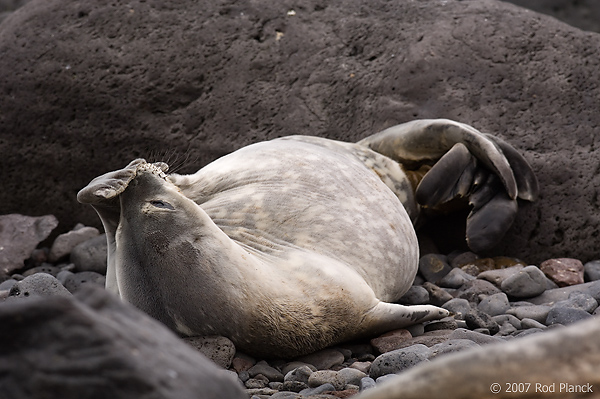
530 323
437 296
496 277
451 346
478 338
323 359
265 369
74 282
19 235
433 267
528 282
299 374
507 318
549 297
592 270
566 316
477 319
458 306
108 87
474 289
44 268
538 313
91 255
578 300
318 390
494 305
114 350
399 360
416 295
38 285
455 279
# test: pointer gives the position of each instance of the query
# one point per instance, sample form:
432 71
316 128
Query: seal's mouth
157 168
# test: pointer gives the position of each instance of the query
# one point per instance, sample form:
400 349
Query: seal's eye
162 204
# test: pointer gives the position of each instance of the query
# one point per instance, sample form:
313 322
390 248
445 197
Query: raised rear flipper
468 164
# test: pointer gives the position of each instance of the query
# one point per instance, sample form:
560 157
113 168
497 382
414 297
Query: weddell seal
291 245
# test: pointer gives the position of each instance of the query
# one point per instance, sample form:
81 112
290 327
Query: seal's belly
282 196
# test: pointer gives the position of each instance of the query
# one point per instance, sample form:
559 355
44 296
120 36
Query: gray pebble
478 338
497 276
433 267
538 313
321 377
472 290
63 275
477 319
416 295
74 282
529 331
399 360
578 300
286 395
300 374
318 390
44 268
383 378
566 316
560 294
437 296
243 376
528 282
260 381
530 323
276 385
64 243
462 258
323 359
452 345
351 376
591 270
415 330
91 255
448 323
7 284
455 279
506 329
494 305
366 383
218 349
503 318
458 306
294 386
38 285
263 368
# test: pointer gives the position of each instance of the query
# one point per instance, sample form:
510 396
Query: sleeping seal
291 245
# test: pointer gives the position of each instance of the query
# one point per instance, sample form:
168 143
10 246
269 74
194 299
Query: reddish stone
391 340
563 271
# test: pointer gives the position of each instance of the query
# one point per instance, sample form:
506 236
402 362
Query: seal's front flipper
108 186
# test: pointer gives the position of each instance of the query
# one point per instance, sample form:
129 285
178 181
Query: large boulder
114 350
89 85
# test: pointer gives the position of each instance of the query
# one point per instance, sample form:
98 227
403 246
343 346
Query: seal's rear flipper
391 316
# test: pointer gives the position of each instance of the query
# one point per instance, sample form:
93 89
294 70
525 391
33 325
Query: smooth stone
526 283
64 243
260 392
448 323
461 259
218 349
258 382
497 276
366 383
458 306
242 362
265 369
478 338
551 296
243 376
591 270
351 376
506 329
530 323
294 365
536 312
472 290
6 285
286 395
276 385
91 255
566 316
578 300
321 377
476 319
494 305
452 345
294 386
299 374
455 279
76 281
63 275
19 236
391 340
428 339
361 366
564 271
416 295
399 360
437 296
323 359
433 267
318 390
38 285
416 329
504 318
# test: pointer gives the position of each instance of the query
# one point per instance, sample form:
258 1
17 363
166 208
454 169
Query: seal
295 244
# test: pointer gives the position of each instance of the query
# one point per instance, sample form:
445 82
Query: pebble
591 270
497 276
433 267
242 362
477 319
528 282
538 313
566 316
437 296
351 376
494 305
323 359
38 285
458 306
472 290
361 366
286 395
73 282
563 271
366 383
478 338
300 374
391 341
91 255
321 377
64 243
448 323
398 360
318 390
455 278
508 318
416 295
265 369
44 268
578 300
218 349
7 284
452 345
530 323
458 260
